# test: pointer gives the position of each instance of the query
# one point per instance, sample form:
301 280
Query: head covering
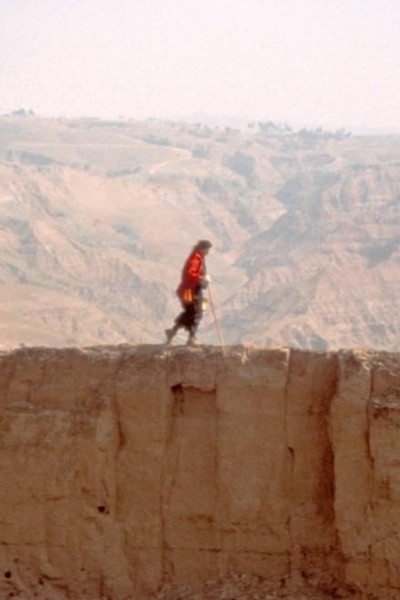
203 244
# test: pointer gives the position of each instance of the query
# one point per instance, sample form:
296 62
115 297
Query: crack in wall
168 476
369 416
311 385
337 551
187 454
291 460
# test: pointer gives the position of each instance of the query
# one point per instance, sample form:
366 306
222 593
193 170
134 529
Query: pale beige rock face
124 468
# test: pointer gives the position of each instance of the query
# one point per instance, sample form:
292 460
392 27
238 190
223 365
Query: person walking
190 292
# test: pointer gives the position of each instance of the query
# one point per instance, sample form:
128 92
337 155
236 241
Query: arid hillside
96 219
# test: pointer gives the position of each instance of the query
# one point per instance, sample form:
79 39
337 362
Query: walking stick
221 339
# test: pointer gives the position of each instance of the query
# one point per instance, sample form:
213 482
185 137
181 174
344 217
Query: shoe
170 334
192 341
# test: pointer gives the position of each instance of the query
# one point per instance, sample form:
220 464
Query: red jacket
192 273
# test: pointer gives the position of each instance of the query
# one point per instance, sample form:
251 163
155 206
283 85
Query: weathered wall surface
123 468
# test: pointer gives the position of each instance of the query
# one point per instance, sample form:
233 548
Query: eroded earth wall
123 468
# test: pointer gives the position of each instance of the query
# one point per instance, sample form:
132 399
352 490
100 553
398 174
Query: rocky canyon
97 218
128 470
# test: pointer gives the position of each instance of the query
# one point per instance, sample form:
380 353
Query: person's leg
196 317
170 333
183 320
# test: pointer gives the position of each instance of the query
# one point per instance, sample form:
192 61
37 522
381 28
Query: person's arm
195 269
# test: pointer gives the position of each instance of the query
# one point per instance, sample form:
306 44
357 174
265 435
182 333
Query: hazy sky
324 62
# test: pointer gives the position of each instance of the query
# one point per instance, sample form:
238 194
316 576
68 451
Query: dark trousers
191 315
